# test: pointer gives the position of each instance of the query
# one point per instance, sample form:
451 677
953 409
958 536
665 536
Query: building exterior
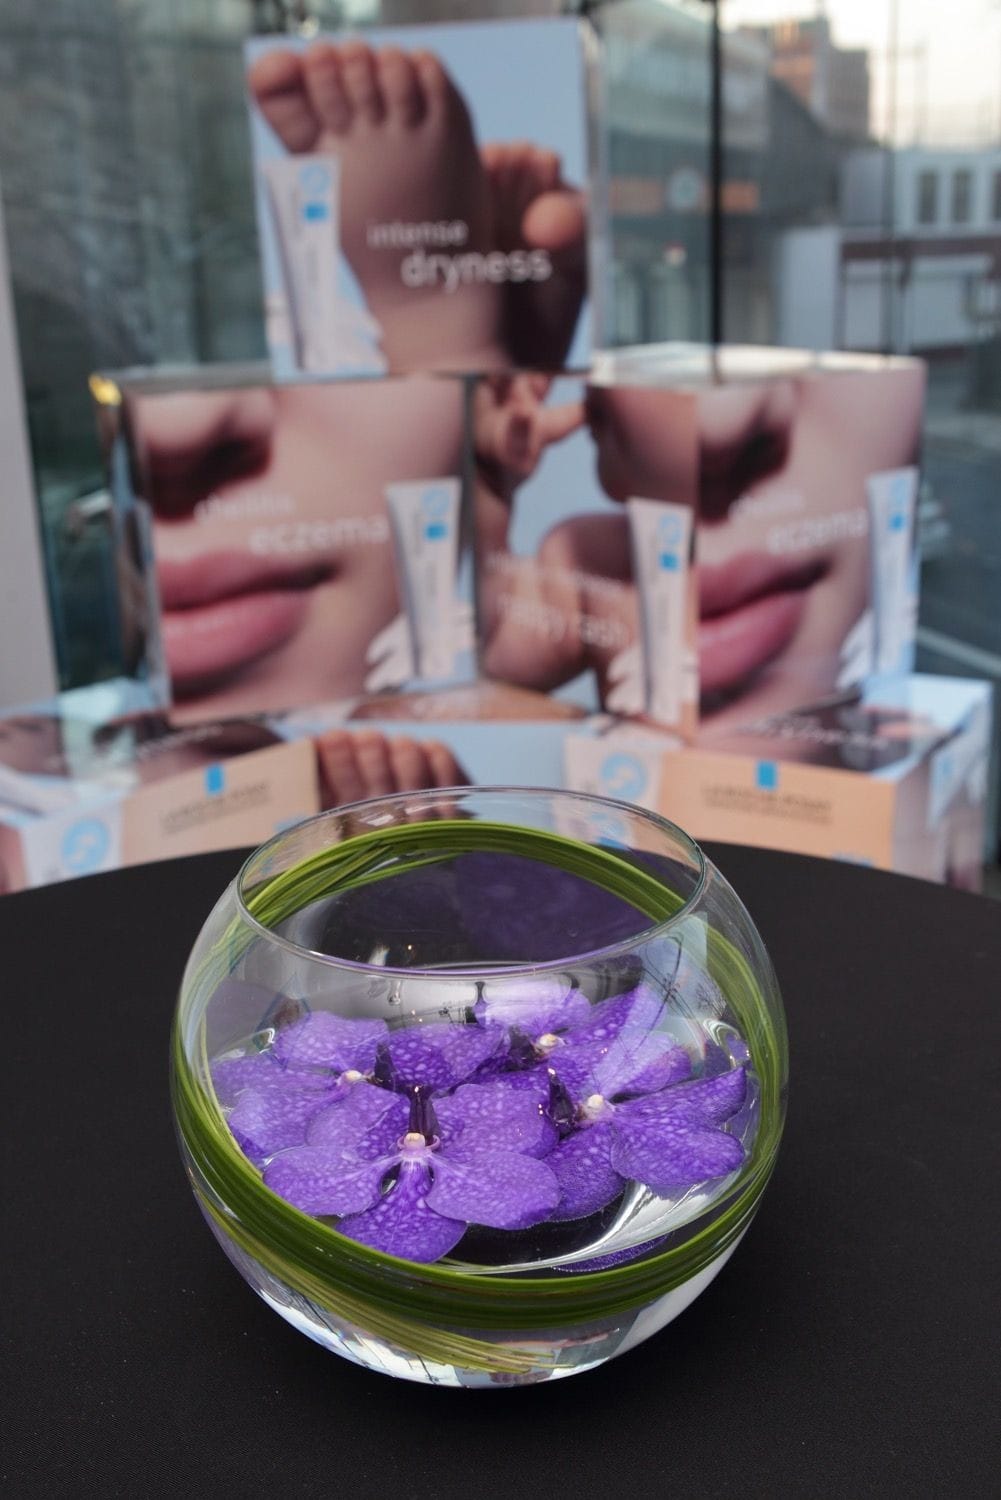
832 81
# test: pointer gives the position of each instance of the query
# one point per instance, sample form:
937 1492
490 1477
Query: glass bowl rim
504 971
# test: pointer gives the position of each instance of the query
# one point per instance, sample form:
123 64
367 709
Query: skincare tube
303 197
661 539
892 503
424 519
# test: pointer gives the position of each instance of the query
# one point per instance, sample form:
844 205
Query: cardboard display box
78 797
896 778
692 539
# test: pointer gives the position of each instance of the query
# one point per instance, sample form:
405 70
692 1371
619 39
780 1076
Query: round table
846 1350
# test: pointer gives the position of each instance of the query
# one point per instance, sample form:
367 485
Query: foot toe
405 102
435 84
277 85
557 221
325 87
361 83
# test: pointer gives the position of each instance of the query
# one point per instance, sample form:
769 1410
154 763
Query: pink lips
225 610
750 608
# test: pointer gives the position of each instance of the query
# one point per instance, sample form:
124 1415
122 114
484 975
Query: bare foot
415 200
534 208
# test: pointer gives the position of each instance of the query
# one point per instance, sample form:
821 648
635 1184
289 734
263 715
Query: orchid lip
423 1122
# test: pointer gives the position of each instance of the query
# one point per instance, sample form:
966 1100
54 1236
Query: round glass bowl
479 1087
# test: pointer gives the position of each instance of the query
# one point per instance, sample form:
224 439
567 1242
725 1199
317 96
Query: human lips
225 610
750 608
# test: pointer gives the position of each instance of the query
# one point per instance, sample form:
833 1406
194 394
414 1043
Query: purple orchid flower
272 1095
666 1140
409 1178
616 1047
617 1087
543 1110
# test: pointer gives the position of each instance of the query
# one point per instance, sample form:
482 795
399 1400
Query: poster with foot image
422 197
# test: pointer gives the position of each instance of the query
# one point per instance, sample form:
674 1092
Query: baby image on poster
414 215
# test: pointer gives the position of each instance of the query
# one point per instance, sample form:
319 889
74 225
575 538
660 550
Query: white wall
27 667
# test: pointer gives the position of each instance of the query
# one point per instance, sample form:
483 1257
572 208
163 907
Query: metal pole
716 147
888 319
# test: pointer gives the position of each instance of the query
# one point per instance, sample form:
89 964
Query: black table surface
848 1348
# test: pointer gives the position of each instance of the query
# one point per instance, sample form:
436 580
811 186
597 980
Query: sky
947 94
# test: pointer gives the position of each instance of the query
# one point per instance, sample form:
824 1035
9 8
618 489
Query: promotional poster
560 608
698 539
308 542
414 216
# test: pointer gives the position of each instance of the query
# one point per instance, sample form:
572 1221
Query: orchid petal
365 1122
699 1102
481 1116
584 1171
232 1076
440 1054
674 1155
666 1140
323 1040
534 1006
266 1120
401 1223
498 1188
641 1008
319 1183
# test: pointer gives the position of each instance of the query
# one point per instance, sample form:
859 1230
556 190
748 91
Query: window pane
962 182
927 197
879 231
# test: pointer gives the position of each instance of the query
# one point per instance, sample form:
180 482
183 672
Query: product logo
215 780
901 503
85 845
435 504
623 776
669 533
766 776
315 180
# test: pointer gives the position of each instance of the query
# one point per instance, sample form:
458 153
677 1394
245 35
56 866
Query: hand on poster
384 196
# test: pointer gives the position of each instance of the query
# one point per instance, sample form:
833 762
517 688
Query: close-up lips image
224 610
750 608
